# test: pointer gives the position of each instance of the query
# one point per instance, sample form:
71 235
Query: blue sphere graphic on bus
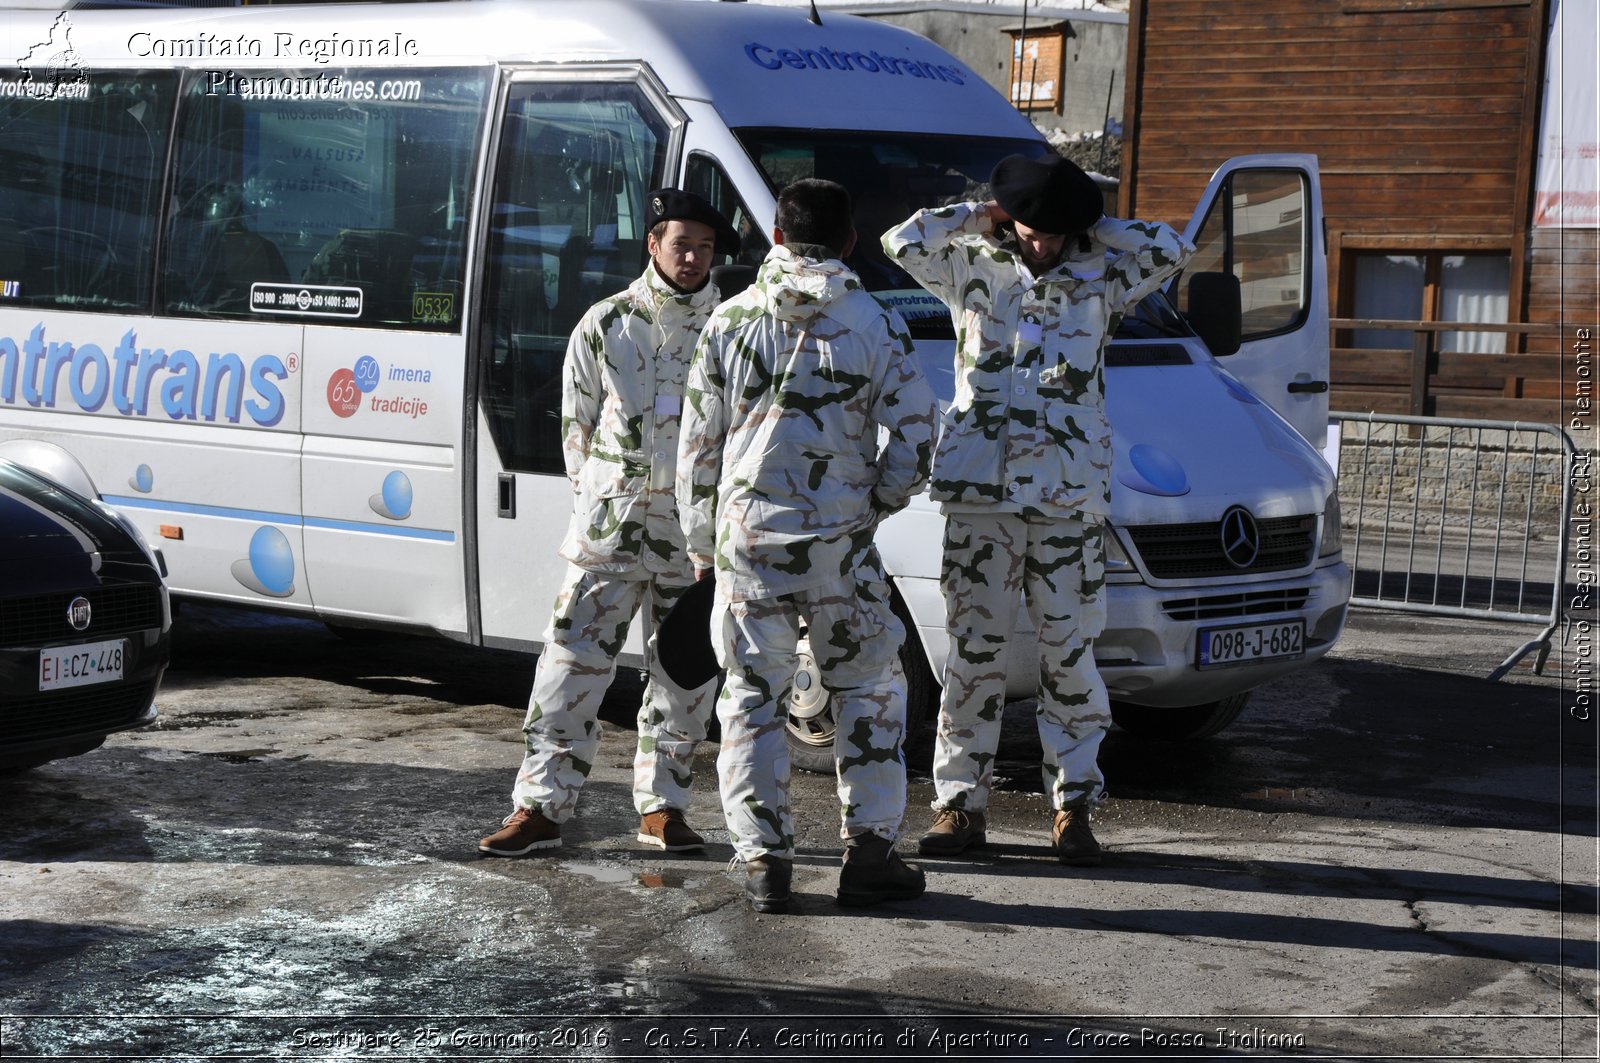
270 567
143 479
394 501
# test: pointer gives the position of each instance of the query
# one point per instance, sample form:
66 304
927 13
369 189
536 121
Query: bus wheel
811 721
1179 724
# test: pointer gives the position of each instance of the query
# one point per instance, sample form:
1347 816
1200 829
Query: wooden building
1426 119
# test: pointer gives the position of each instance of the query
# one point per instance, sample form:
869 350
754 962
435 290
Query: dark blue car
85 623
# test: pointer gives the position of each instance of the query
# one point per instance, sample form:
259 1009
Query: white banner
1567 191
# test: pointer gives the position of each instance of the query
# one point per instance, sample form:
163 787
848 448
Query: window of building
1430 286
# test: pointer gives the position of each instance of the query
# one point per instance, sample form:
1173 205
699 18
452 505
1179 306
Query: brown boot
520 834
665 829
952 832
1073 840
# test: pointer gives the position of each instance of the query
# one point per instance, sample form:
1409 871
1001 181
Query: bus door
577 154
1261 220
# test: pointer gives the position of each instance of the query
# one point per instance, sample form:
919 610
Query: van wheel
811 722
1176 725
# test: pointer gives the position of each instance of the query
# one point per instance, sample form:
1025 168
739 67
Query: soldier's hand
701 573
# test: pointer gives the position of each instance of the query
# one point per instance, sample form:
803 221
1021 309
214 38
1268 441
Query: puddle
613 875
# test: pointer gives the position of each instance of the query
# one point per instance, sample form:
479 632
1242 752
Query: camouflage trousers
990 561
562 730
855 638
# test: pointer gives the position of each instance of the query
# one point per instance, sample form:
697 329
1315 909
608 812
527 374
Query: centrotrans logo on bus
51 374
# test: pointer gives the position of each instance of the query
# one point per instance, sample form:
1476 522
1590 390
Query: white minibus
291 288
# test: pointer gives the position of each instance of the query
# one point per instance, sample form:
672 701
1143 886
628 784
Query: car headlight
133 533
1331 543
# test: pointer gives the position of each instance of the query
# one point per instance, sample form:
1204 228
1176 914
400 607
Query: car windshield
890 175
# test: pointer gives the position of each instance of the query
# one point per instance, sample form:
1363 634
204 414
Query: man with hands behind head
1033 280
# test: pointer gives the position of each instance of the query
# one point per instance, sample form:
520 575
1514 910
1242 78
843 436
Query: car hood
42 521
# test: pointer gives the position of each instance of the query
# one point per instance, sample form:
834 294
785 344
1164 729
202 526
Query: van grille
1221 606
1188 551
115 610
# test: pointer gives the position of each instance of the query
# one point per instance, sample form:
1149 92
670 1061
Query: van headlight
1117 559
1330 543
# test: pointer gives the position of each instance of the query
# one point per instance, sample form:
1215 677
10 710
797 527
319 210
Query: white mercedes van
293 285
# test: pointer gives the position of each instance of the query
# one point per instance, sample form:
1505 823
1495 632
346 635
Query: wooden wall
1424 117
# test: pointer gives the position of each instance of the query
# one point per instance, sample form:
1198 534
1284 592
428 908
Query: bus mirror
1215 311
732 278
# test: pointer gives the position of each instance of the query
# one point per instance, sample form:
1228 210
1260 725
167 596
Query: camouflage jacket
781 476
621 395
1027 431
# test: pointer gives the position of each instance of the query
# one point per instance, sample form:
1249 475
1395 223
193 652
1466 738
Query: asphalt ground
1387 857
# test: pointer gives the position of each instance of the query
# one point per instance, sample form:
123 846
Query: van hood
1191 441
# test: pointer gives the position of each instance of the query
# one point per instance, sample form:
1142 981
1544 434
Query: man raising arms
1033 279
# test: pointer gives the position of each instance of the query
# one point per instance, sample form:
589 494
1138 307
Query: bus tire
1179 724
809 712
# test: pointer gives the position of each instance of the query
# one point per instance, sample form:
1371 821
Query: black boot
766 883
874 872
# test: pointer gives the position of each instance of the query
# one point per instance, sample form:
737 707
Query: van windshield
889 175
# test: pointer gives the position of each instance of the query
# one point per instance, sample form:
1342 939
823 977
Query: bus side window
360 206
566 229
80 190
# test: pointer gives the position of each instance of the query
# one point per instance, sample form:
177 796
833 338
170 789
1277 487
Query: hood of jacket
791 288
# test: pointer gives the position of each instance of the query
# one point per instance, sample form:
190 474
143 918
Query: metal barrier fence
1458 518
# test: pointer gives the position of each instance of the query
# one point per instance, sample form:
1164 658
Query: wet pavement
1386 856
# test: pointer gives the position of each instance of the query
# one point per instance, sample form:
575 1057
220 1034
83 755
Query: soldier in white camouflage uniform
622 393
1034 280
781 484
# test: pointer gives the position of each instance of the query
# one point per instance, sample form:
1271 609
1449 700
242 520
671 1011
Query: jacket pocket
1081 437
967 462
609 514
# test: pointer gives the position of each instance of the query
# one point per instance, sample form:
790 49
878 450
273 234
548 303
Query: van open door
1261 221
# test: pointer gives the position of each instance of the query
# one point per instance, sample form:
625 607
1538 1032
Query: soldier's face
683 253
1040 250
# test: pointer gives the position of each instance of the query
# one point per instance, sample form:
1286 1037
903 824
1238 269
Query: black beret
671 204
1049 194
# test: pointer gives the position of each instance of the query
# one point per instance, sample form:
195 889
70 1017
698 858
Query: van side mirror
1216 311
733 278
